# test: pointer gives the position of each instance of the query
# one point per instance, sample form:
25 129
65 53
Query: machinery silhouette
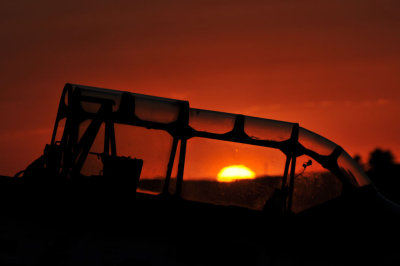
129 178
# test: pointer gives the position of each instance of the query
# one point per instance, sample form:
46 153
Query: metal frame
75 153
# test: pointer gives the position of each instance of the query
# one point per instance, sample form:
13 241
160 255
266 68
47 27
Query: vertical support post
109 139
183 134
71 131
170 165
284 187
62 111
291 184
285 173
181 167
295 141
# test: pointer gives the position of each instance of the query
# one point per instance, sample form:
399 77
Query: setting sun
235 172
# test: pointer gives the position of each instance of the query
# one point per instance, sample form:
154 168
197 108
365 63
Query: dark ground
105 224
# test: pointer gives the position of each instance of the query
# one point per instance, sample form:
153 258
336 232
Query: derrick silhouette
94 198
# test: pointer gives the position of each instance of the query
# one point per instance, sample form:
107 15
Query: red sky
332 66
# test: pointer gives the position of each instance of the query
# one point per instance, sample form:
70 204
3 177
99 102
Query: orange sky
332 66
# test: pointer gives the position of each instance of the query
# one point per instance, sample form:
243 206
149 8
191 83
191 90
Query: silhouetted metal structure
84 110
132 179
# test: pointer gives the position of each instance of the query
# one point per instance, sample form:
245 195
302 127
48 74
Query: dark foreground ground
107 225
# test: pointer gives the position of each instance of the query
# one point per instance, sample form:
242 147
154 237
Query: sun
235 172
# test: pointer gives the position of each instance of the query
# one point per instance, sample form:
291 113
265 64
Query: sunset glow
333 68
235 172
